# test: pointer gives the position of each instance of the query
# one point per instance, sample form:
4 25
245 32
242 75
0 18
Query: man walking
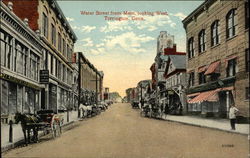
232 115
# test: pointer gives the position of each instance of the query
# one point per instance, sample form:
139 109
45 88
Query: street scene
122 132
121 79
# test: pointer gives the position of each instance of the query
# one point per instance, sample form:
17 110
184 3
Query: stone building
218 57
58 38
21 61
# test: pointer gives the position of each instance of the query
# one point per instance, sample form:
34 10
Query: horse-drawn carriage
45 120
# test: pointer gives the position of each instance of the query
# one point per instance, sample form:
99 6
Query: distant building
218 58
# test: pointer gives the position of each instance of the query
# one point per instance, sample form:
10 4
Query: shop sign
44 76
18 81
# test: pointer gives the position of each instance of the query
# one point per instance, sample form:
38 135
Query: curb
203 126
19 142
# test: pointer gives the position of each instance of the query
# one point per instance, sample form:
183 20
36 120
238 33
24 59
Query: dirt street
120 132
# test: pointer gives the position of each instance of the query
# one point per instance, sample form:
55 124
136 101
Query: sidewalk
218 124
18 134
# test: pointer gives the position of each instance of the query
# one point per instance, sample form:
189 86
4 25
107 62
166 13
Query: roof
179 61
164 57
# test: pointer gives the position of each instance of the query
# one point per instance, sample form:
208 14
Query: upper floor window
53 34
45 25
202 77
59 42
215 33
231 22
191 79
191 47
247 60
231 67
202 41
246 15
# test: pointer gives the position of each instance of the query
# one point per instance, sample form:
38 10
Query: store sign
44 76
17 81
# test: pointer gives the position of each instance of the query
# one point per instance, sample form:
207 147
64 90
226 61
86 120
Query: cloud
87 42
152 23
114 26
180 15
70 19
87 28
129 41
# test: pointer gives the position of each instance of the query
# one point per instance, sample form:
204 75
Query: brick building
218 57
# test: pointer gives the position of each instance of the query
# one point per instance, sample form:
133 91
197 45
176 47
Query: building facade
218 57
21 61
58 38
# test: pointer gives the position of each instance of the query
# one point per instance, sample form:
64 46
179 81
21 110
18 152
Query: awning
229 58
202 68
228 88
193 94
206 96
212 67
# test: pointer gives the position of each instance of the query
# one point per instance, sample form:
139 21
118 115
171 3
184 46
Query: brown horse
27 121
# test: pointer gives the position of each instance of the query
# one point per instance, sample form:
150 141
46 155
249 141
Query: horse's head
18 117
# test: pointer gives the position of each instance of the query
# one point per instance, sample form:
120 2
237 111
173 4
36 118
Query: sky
125 49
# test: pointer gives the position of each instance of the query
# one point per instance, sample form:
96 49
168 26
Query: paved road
120 132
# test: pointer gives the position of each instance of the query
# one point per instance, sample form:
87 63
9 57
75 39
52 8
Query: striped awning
212 67
193 94
202 68
206 96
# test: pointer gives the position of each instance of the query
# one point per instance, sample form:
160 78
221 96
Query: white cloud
87 42
87 28
70 19
128 41
180 15
116 26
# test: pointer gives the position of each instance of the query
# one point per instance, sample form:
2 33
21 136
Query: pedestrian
232 115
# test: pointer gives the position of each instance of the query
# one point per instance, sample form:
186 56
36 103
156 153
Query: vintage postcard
124 79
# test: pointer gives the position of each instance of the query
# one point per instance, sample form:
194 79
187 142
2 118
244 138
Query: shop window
12 96
191 47
202 41
247 60
202 78
231 68
231 23
215 33
4 97
247 96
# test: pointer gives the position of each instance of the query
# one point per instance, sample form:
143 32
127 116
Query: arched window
191 47
231 23
202 41
215 33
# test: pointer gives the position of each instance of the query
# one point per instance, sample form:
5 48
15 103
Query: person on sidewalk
232 115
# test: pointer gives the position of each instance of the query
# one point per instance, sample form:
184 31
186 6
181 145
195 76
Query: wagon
49 122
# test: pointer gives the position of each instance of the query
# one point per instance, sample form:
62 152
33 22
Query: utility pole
79 84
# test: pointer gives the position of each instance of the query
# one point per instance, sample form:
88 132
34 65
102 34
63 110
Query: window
215 33
246 15
231 68
51 65
21 52
34 66
247 96
45 25
202 78
202 41
59 42
247 61
64 49
191 47
53 34
231 23
191 79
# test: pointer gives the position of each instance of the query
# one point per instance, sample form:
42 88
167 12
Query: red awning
212 67
228 88
202 68
193 94
206 96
